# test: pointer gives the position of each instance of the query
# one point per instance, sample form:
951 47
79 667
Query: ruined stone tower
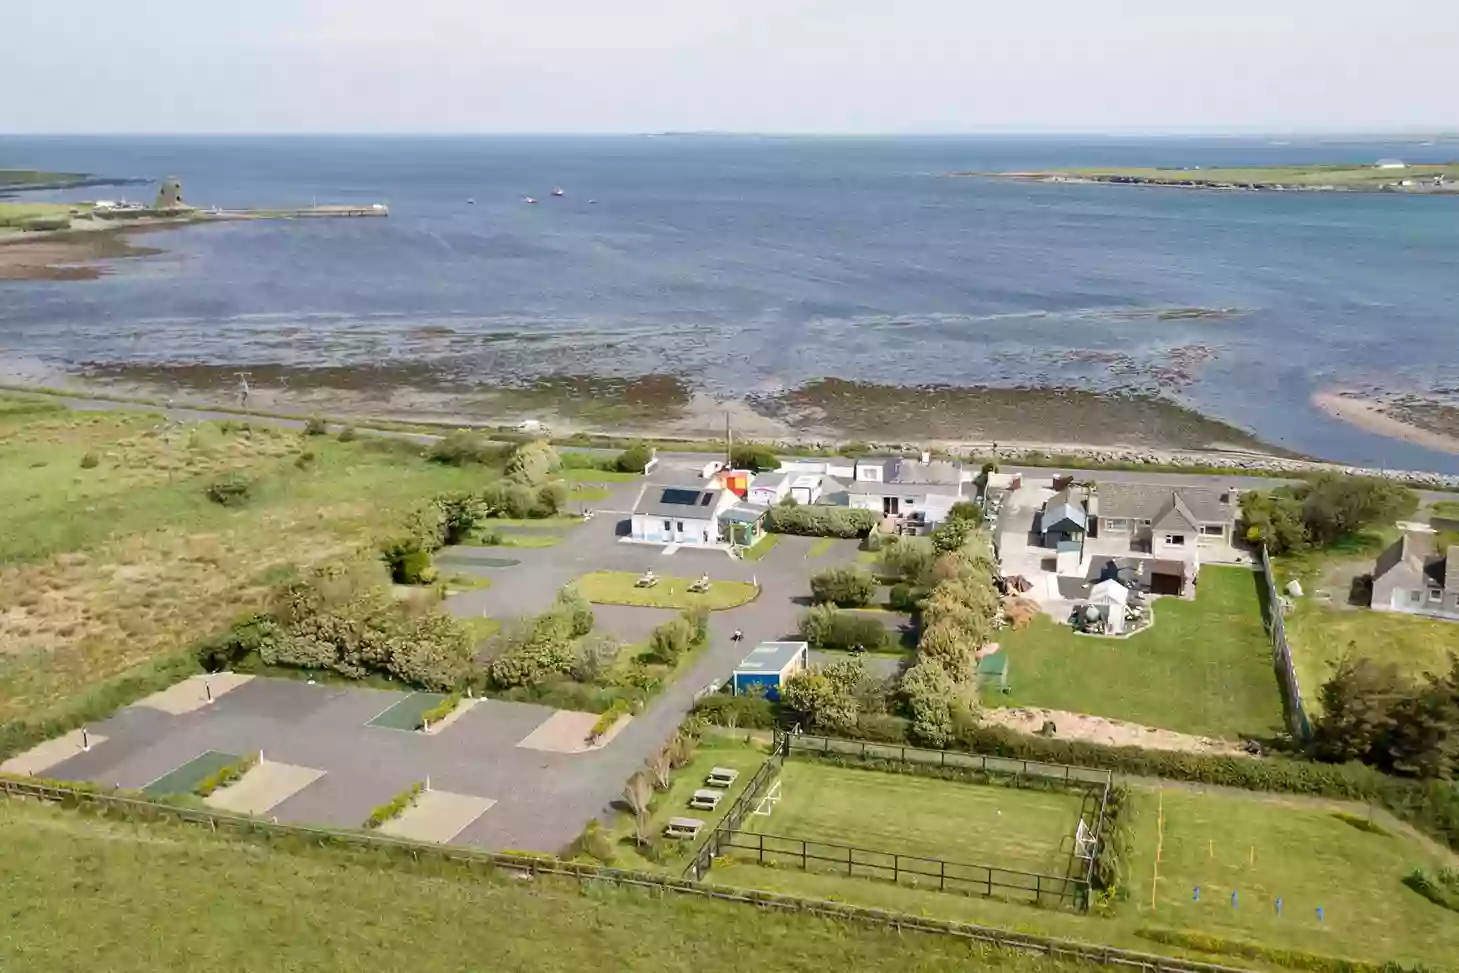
169 194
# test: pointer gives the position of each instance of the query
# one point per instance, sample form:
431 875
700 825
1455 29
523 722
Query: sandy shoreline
77 255
1371 415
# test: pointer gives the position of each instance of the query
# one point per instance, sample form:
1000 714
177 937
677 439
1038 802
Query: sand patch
1113 733
193 693
39 759
455 715
1371 416
437 816
266 785
567 732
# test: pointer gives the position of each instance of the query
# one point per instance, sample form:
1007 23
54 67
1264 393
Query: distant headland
1383 176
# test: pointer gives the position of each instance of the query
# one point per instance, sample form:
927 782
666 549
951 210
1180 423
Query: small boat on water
529 199
470 201
558 192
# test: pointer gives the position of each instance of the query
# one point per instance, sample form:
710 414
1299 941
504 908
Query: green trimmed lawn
405 714
1320 635
1303 853
589 493
565 520
762 547
903 814
533 540
617 588
185 779
1446 508
1204 667
599 476
172 897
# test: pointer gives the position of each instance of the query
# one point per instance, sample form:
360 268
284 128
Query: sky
808 66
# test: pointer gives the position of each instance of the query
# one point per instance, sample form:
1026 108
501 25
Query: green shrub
414 568
754 457
551 499
305 459
1111 858
743 712
440 711
1290 958
530 463
826 628
634 458
395 806
698 619
882 728
461 447
519 501
902 597
577 608
90 461
595 843
348 434
952 534
965 510
812 520
244 638
608 718
1435 889
224 776
229 490
316 426
850 587
671 640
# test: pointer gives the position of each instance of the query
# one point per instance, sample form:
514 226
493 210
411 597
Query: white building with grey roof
681 515
917 491
1168 522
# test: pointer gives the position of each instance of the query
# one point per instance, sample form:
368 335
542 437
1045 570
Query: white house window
1211 530
1435 594
681 527
1416 597
668 526
1175 540
1144 523
1117 523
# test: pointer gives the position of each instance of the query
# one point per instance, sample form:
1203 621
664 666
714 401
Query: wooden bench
706 800
683 828
721 777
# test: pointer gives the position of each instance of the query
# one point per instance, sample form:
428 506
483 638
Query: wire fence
471 858
1296 713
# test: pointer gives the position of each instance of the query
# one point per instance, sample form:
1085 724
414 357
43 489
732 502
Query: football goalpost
1085 844
769 800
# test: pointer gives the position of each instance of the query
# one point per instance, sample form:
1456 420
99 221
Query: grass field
1205 667
86 893
972 824
111 553
599 476
405 714
762 547
617 588
1303 853
1320 635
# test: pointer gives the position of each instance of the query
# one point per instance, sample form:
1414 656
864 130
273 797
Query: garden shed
768 666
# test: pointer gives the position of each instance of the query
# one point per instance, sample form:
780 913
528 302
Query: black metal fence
735 816
1296 714
945 876
1063 949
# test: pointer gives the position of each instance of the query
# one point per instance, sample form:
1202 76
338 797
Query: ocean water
747 264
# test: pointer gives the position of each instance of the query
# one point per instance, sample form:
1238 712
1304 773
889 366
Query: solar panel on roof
686 497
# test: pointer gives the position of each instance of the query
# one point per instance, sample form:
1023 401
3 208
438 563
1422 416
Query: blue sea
748 264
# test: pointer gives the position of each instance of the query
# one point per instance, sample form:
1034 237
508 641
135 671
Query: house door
891 506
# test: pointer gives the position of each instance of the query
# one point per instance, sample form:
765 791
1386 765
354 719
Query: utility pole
728 442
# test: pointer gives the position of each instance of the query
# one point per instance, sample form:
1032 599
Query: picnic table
683 828
700 586
721 776
648 580
706 800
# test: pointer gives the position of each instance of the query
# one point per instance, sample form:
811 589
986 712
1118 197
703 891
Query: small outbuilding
1111 598
768 666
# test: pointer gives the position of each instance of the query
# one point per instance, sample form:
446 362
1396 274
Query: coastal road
686 466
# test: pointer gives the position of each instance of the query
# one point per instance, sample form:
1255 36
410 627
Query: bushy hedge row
817 521
1290 958
737 712
826 628
440 711
395 806
224 776
1441 889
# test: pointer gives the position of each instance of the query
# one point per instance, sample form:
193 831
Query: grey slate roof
1415 552
1175 514
1063 508
909 471
1146 501
690 502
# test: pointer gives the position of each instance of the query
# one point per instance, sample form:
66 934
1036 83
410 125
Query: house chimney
926 457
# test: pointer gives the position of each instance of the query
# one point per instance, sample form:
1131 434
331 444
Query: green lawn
972 824
599 476
405 713
1302 853
1320 635
589 493
533 540
674 803
1446 508
168 897
821 547
617 588
762 547
1204 667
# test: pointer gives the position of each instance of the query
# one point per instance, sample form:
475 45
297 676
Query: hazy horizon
795 67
